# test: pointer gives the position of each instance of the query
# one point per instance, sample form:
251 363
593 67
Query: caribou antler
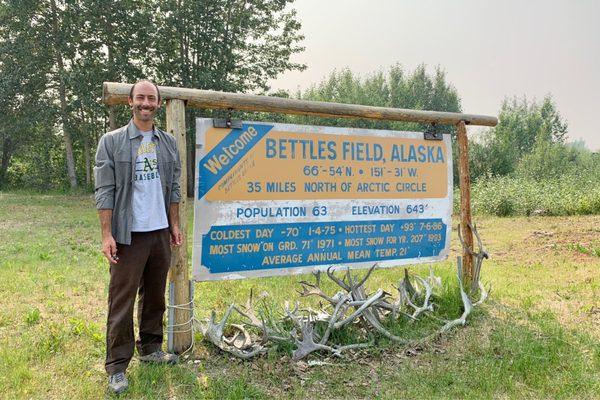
467 304
483 293
269 332
307 344
396 306
434 281
310 289
406 286
339 310
241 339
337 280
358 294
426 305
249 313
214 332
477 256
360 284
362 306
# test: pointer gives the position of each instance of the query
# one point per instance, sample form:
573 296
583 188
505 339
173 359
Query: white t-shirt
148 202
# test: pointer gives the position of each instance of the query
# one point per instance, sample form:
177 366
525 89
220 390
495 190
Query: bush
574 193
505 207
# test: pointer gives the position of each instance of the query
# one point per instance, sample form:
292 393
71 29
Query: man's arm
109 246
174 227
175 187
104 174
104 178
176 234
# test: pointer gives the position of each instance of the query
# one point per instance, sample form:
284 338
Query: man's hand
176 236
109 249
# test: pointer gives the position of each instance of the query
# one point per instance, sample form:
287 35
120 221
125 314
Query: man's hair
140 81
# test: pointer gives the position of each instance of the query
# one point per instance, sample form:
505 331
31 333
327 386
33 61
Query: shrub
574 193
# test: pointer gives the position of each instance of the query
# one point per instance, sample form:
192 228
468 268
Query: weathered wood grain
117 93
179 274
465 201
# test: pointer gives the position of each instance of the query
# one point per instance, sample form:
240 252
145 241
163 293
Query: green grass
536 337
593 250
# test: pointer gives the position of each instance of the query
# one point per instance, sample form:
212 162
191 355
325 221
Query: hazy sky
489 49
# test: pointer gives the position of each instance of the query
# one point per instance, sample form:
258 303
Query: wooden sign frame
178 98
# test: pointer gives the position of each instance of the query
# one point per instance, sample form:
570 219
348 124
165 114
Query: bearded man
137 196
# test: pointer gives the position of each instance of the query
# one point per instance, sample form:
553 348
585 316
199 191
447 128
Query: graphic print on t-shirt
146 165
148 203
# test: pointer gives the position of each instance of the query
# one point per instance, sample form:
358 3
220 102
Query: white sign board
275 199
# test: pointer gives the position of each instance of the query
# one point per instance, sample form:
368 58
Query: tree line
530 140
56 53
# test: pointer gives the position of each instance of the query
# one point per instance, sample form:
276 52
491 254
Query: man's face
144 101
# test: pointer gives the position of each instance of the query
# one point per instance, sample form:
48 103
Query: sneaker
160 357
117 383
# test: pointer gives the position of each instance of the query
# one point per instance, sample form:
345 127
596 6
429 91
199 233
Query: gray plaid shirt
114 173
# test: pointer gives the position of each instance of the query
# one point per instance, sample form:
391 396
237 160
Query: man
137 196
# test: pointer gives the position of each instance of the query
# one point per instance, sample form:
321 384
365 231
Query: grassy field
536 337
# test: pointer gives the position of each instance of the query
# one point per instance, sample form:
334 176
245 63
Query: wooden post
465 201
179 280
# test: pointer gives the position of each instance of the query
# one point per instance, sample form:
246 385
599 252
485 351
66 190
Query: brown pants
142 269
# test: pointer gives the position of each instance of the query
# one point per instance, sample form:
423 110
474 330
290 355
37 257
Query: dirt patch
578 243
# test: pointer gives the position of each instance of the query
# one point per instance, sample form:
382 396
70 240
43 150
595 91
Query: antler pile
349 305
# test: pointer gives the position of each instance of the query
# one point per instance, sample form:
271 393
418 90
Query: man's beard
149 117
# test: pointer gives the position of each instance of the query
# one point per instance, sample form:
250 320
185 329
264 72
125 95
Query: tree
234 46
111 47
417 90
50 26
523 126
24 108
56 53
57 25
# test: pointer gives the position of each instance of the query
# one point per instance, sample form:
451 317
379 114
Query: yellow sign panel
300 166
